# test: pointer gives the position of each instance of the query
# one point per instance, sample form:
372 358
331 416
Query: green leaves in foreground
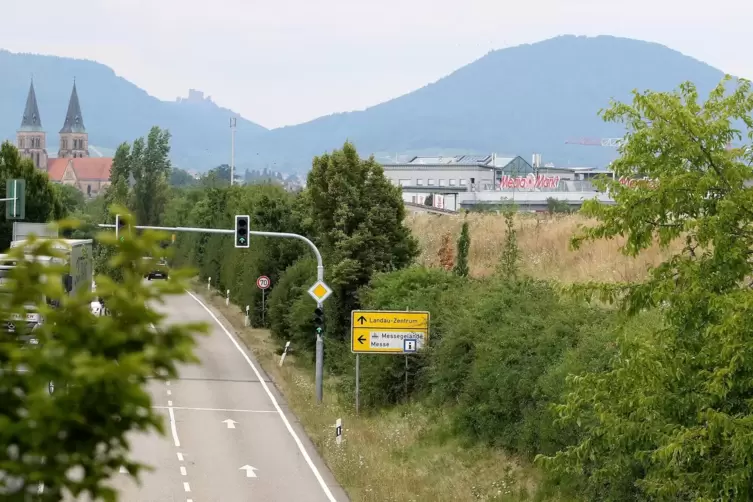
74 440
673 419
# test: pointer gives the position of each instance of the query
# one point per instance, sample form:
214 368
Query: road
230 436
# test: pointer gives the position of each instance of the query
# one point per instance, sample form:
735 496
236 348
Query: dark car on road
158 272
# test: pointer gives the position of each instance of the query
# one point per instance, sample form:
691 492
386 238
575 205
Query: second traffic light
241 230
318 320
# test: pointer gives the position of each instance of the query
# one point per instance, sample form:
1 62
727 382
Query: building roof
85 168
484 161
74 120
31 121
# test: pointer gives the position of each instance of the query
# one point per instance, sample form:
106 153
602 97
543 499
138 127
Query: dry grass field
544 242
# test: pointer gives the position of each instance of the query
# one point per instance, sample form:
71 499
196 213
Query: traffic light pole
319 276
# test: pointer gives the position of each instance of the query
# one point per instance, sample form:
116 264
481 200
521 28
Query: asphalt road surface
230 436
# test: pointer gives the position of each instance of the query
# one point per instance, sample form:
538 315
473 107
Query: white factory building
466 181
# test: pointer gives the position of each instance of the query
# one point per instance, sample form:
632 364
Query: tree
42 205
118 192
75 439
181 178
71 199
356 216
673 418
150 166
464 244
510 258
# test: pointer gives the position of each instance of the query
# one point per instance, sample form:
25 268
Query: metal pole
406 377
319 366
319 263
262 308
358 383
15 196
232 149
319 277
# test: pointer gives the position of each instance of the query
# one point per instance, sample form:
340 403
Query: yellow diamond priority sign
320 291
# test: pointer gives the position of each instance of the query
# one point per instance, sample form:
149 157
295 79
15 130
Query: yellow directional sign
388 331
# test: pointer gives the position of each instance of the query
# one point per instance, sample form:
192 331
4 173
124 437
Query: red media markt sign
263 282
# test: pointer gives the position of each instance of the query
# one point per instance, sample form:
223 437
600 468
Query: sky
289 61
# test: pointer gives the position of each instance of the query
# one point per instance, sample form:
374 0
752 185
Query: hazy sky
284 62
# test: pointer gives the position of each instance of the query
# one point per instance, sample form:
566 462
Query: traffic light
120 226
319 320
241 231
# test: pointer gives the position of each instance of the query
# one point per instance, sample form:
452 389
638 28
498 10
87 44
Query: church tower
74 140
30 137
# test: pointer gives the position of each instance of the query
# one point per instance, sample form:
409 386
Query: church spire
74 121
31 121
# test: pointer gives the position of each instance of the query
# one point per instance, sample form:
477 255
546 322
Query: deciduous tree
673 419
42 204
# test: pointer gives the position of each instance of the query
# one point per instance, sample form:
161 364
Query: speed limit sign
263 282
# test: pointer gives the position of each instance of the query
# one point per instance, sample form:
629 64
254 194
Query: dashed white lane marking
189 500
173 427
186 487
169 392
183 470
180 456
285 420
169 404
167 383
211 409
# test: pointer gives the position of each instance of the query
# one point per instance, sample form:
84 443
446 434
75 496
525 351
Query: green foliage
150 166
75 439
672 420
71 199
509 261
356 217
464 244
497 356
180 178
42 204
555 206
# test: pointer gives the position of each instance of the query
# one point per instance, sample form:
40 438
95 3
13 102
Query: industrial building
467 181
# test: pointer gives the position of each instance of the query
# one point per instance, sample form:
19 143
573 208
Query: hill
114 109
520 100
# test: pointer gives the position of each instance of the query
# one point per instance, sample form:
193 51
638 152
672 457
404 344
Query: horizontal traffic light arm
231 231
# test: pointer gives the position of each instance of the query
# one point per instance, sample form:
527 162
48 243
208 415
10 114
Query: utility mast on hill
232 149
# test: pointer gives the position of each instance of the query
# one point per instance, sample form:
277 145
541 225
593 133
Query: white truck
77 256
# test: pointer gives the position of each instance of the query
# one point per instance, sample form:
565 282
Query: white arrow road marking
249 471
230 423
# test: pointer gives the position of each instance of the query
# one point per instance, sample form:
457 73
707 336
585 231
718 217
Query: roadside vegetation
544 360
601 356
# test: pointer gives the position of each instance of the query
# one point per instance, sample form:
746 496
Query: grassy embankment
387 457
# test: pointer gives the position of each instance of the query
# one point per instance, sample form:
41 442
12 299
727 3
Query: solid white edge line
174 427
297 440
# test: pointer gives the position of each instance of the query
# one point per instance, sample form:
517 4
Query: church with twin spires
72 165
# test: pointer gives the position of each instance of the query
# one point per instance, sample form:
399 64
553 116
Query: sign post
386 332
263 283
15 198
319 291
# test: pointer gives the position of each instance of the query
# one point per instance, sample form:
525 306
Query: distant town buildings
72 165
467 181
